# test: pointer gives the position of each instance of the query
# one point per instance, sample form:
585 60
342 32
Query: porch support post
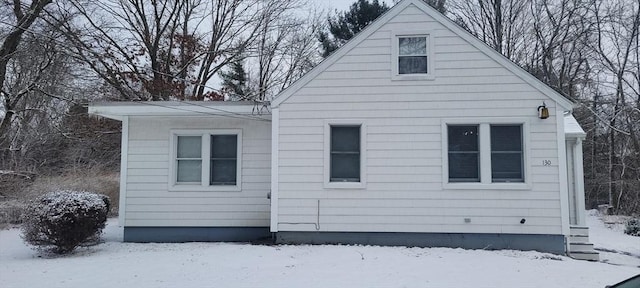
579 182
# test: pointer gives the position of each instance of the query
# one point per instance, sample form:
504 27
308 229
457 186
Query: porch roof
572 128
225 109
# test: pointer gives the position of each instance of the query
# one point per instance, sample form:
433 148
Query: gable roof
448 23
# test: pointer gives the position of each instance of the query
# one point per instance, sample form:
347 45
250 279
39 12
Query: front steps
579 246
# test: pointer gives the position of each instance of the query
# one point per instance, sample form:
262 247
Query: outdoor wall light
543 111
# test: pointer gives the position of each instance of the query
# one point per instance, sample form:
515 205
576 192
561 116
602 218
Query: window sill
412 77
486 186
200 188
344 185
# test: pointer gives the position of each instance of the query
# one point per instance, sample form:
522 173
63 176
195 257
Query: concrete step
578 239
581 247
589 256
579 231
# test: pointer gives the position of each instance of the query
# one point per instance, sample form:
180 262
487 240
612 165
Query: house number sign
546 162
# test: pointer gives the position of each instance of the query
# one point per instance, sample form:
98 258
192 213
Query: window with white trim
485 153
345 154
464 153
206 160
224 160
412 55
507 157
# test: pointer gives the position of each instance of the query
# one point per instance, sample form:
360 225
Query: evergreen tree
234 81
361 13
347 24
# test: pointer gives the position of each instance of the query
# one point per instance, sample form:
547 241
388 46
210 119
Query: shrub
63 220
633 227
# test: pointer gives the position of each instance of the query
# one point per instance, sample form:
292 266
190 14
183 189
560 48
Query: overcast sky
342 5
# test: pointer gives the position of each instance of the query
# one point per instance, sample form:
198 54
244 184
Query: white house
414 133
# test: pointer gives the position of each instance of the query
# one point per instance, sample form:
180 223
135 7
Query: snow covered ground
116 264
608 238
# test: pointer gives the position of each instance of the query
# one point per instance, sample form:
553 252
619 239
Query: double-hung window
224 160
344 154
464 153
206 160
412 55
507 156
485 153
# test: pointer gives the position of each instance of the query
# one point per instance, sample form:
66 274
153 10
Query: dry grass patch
92 180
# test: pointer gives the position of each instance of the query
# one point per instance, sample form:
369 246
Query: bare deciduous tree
24 15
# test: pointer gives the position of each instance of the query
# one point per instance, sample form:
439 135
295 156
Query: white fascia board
361 36
394 11
563 173
117 110
275 150
124 154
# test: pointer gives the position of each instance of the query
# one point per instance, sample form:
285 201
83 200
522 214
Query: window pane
506 167
412 64
223 172
224 151
506 153
345 167
412 46
189 170
224 146
463 150
345 154
189 146
345 138
463 167
506 138
463 137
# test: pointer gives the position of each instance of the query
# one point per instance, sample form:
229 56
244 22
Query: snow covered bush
63 220
633 227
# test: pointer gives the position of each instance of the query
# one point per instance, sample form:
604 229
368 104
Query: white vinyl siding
404 143
151 202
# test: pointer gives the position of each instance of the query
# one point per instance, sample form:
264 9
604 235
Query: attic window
412 55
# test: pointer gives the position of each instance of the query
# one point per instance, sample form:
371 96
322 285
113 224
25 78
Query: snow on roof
572 127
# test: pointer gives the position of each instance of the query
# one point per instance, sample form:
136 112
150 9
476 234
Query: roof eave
120 110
